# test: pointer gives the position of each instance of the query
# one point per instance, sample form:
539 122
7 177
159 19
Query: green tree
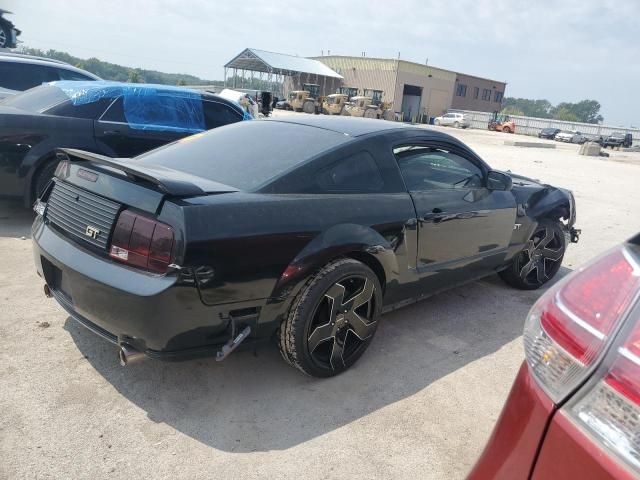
587 111
512 110
135 76
528 107
564 113
181 82
119 73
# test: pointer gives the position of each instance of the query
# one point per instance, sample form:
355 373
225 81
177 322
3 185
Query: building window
476 92
497 97
461 90
486 94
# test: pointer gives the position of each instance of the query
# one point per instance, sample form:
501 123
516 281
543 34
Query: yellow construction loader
334 104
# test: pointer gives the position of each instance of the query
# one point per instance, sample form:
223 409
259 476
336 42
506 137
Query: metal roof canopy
255 60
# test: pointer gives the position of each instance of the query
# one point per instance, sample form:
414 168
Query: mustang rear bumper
158 315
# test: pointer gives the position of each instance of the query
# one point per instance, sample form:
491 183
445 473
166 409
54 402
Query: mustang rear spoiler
168 180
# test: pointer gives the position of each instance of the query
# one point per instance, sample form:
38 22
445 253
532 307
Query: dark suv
618 140
549 133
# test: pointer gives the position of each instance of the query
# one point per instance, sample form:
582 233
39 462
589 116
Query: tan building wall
390 75
363 72
475 89
436 85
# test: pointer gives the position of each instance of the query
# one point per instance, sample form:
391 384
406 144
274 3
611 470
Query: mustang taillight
142 242
567 329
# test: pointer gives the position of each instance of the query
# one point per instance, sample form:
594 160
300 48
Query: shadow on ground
15 219
258 403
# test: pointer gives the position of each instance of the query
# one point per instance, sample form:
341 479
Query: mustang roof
353 127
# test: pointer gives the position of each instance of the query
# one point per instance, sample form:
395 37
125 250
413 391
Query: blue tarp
146 106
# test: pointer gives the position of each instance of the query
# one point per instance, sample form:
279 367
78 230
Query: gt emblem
92 232
517 226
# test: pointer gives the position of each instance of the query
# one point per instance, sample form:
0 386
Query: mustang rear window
245 155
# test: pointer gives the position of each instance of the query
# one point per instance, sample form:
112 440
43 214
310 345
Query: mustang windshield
246 155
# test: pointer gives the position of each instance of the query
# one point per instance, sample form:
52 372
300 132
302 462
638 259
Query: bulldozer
501 123
334 104
363 106
305 100
350 92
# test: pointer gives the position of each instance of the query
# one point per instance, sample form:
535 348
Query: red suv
574 408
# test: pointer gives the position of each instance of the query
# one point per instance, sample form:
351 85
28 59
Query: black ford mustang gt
303 230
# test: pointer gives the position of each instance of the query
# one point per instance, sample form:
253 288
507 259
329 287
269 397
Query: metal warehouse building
416 89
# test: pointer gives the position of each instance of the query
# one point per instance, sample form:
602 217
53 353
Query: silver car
570 136
458 120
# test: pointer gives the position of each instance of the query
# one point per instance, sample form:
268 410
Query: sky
560 51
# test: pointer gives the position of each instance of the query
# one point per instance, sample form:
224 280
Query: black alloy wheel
333 319
343 322
540 259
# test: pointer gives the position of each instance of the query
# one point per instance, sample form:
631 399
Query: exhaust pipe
127 354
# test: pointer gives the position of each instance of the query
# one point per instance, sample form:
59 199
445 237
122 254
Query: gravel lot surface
420 403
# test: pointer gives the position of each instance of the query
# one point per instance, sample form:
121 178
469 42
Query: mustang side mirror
499 181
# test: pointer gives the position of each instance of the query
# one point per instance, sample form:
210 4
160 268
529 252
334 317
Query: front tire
436 122
506 130
541 258
456 124
332 320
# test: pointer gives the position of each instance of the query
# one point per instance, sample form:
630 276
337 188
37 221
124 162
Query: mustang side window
429 168
356 173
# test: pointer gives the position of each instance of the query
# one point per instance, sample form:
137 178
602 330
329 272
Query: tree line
119 73
586 111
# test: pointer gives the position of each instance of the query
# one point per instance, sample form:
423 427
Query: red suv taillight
567 329
142 242
610 409
567 334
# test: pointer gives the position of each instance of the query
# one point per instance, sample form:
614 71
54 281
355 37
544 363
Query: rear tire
541 258
436 123
370 113
308 107
389 115
332 320
456 124
506 130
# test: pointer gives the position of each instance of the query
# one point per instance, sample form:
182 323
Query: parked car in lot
599 139
110 118
549 133
8 32
458 120
618 140
216 241
574 407
20 72
570 136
